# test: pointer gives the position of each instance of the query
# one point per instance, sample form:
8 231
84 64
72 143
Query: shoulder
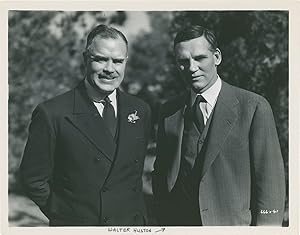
173 104
60 104
134 101
59 101
245 97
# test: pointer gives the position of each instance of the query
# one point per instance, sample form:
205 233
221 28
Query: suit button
136 160
98 158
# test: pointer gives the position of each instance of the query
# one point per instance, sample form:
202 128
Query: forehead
108 46
196 46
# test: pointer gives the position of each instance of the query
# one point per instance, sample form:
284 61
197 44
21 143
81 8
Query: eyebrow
200 56
106 58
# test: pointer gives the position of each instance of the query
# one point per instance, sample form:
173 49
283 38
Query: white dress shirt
113 98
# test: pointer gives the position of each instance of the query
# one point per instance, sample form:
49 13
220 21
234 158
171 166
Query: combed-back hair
196 31
106 32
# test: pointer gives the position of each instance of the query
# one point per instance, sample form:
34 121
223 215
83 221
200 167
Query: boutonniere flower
133 117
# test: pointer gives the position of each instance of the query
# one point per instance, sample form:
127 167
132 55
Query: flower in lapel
133 117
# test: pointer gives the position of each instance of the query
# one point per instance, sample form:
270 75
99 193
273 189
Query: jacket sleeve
268 180
37 162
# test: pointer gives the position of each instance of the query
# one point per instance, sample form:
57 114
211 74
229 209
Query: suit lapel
88 121
223 119
174 126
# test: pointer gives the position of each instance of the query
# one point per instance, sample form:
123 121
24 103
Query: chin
107 87
197 87
107 90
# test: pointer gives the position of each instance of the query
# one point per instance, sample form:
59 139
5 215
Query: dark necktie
109 116
197 113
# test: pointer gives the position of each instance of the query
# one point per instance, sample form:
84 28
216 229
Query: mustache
106 76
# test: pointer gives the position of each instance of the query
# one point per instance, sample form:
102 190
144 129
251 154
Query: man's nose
192 65
109 66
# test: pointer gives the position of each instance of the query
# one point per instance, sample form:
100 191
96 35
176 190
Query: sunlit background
45 59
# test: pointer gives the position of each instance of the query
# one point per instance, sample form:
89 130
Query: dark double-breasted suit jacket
76 172
242 174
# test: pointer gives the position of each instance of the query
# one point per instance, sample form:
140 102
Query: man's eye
99 59
119 61
199 58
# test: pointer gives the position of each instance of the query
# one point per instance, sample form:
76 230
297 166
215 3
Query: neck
211 83
93 93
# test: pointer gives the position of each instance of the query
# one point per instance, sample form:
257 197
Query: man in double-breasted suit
218 156
84 157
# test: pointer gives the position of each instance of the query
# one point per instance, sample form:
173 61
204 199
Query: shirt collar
113 98
210 95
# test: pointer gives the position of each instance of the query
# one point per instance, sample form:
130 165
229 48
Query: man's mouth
106 77
196 78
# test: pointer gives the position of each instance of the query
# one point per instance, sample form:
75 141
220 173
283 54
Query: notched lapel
93 128
224 116
174 126
88 121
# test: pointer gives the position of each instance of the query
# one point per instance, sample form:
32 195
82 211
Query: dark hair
104 31
196 31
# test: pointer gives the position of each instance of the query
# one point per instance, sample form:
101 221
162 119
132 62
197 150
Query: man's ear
85 61
178 66
218 57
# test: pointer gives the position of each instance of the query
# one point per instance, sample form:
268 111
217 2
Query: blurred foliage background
45 59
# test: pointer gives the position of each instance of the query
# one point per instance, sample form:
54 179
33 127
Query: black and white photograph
144 121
